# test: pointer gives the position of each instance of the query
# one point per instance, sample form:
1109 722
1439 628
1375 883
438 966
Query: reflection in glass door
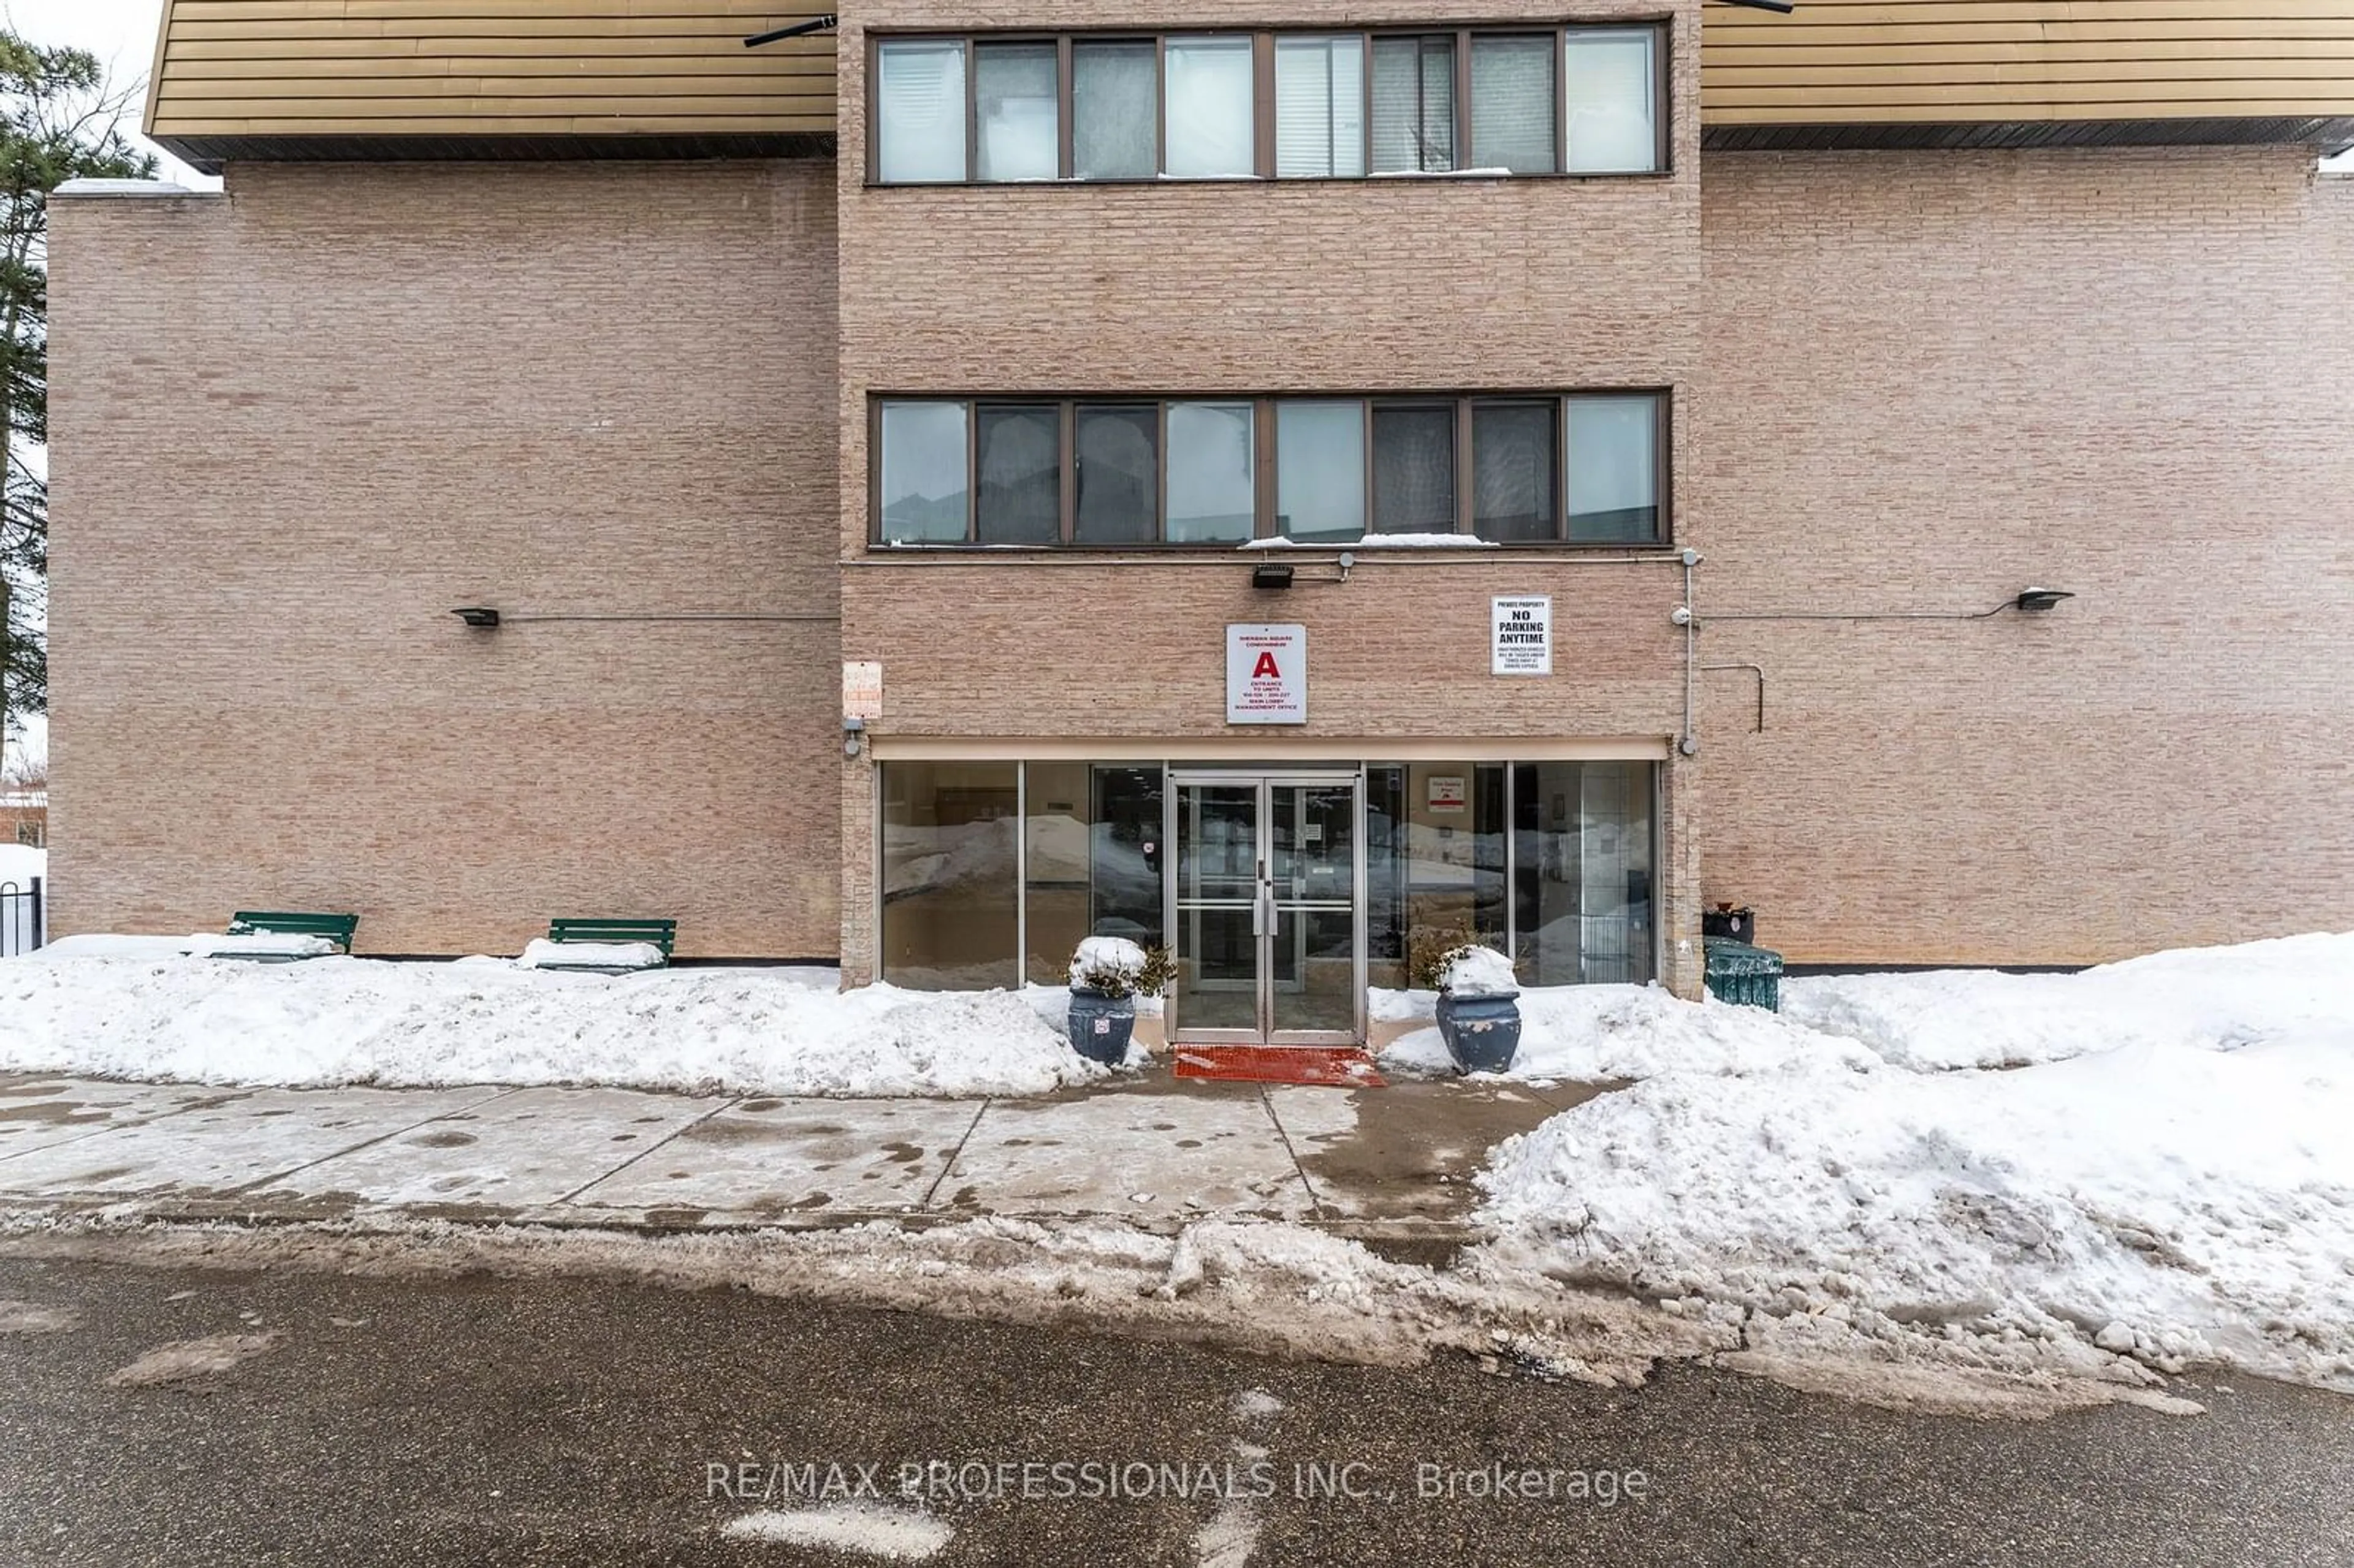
1216 936
1265 908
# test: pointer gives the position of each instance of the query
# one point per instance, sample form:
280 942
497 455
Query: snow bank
1605 1034
2179 1190
346 1021
2203 998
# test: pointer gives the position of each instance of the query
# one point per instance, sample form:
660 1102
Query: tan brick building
941 479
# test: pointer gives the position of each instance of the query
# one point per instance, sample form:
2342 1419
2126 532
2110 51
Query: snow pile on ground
2180 1190
359 1020
2205 998
1616 1033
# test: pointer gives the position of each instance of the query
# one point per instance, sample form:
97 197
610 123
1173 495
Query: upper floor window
1267 105
1585 469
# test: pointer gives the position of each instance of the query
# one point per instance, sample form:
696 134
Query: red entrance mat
1331 1066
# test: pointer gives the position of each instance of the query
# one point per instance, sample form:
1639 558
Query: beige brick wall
294 427
1372 286
1933 379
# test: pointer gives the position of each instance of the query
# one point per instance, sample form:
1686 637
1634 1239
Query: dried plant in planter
1430 949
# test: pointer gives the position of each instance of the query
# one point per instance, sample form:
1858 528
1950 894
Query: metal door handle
1259 914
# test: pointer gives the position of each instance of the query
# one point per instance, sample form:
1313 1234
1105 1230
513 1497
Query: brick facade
294 427
1385 285
298 425
1935 378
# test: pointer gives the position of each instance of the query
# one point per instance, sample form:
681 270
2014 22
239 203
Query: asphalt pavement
322 1419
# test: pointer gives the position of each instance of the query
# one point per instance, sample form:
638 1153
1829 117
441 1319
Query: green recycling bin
1743 975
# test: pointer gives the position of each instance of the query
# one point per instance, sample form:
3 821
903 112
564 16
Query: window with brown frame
1213 105
1583 468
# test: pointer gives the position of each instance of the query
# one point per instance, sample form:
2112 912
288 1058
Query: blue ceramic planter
1101 1026
1482 1032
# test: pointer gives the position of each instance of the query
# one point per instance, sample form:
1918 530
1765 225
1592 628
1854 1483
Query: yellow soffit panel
493 68
1894 62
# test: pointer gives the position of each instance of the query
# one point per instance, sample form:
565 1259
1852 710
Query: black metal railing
23 919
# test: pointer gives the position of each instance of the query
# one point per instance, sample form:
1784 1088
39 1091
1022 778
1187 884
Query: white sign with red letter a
1266 675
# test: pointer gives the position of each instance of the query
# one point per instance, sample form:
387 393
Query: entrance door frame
1267 780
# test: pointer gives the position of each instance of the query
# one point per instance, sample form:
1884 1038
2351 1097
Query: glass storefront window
1434 860
1582 874
951 906
1092 847
1552 862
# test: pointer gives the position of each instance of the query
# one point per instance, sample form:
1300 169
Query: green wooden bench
337 929
659 934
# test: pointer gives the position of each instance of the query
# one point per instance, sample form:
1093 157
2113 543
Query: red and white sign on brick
1266 675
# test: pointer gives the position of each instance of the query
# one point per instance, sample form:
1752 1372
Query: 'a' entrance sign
1266 675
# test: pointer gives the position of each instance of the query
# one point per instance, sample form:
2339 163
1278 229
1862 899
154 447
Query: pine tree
60 121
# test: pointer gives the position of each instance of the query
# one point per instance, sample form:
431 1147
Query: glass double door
1267 908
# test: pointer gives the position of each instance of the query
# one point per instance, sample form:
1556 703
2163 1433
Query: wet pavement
327 1419
1393 1162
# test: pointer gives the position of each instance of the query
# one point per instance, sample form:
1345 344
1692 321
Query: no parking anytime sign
1523 637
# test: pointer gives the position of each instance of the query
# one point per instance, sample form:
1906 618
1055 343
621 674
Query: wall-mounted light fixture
478 615
853 735
1272 575
2037 600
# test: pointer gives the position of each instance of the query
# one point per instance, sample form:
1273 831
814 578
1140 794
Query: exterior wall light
854 735
479 616
2035 600
1272 575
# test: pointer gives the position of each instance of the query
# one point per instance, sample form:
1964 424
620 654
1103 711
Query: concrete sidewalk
1393 1161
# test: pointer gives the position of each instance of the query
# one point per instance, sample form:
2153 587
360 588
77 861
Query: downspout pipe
1688 743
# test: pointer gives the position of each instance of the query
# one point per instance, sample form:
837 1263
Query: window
1115 111
1512 472
1582 836
1104 472
919 112
1213 474
1512 104
922 489
1319 470
1091 843
1414 105
951 906
1017 101
1210 119
1414 469
1018 477
1320 108
1251 105
1613 85
1119 474
1614 469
